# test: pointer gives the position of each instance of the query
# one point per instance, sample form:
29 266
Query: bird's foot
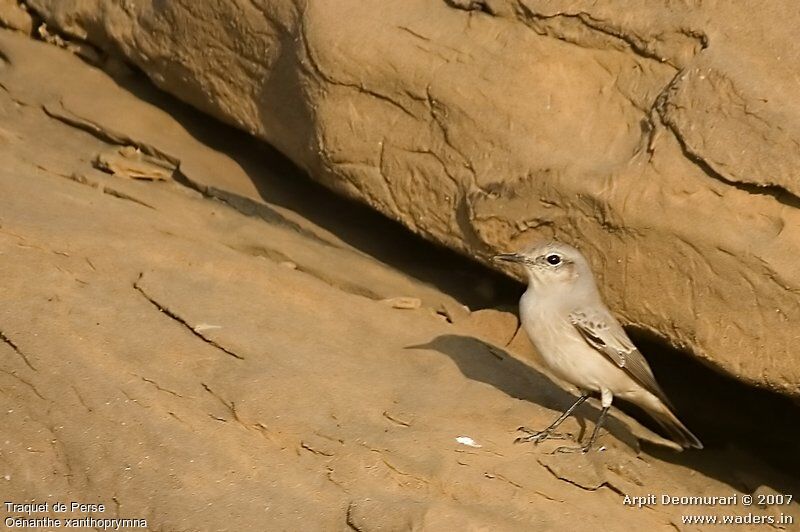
538 436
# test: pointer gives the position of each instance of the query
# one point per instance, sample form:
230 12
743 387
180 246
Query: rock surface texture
662 138
183 354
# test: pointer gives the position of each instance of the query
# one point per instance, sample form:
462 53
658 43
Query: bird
583 344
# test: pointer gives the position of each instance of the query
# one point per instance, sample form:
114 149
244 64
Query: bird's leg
606 398
541 435
588 446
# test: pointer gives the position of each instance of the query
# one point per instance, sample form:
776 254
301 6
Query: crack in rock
182 321
244 206
6 340
61 114
307 446
126 197
396 419
26 383
315 66
349 518
547 25
231 406
83 180
587 480
158 386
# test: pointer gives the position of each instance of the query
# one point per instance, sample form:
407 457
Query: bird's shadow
484 362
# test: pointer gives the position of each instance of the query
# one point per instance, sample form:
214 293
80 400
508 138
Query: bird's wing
602 331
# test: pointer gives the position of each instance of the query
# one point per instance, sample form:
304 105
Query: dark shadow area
492 365
753 425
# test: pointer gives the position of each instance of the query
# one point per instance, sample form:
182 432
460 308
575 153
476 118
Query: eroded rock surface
660 138
184 355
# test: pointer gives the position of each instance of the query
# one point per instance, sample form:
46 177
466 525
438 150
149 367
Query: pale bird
583 344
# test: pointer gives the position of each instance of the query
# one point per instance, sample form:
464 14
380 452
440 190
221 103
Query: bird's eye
553 259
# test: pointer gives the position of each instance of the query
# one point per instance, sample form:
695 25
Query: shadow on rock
281 183
745 470
750 434
484 362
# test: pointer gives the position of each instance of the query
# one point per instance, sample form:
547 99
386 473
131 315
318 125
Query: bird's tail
676 430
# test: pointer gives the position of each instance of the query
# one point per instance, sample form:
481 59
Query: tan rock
403 302
158 357
659 138
495 326
132 163
14 16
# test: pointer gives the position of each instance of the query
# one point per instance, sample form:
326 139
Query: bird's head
551 265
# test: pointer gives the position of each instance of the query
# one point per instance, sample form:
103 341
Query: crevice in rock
329 471
465 225
62 114
422 481
258 428
658 116
117 505
776 192
182 321
243 205
471 5
724 412
355 223
388 185
41 31
542 24
249 208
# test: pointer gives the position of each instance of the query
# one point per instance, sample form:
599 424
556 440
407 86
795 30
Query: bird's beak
508 257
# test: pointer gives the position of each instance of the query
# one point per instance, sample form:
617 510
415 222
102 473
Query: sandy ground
190 339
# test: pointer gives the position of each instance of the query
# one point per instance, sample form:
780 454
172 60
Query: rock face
205 363
661 138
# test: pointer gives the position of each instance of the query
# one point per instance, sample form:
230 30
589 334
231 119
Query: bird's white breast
563 348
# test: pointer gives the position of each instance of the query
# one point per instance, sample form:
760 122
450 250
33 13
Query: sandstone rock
158 356
660 139
15 17
403 302
493 325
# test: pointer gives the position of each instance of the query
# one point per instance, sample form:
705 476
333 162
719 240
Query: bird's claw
538 436
568 450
